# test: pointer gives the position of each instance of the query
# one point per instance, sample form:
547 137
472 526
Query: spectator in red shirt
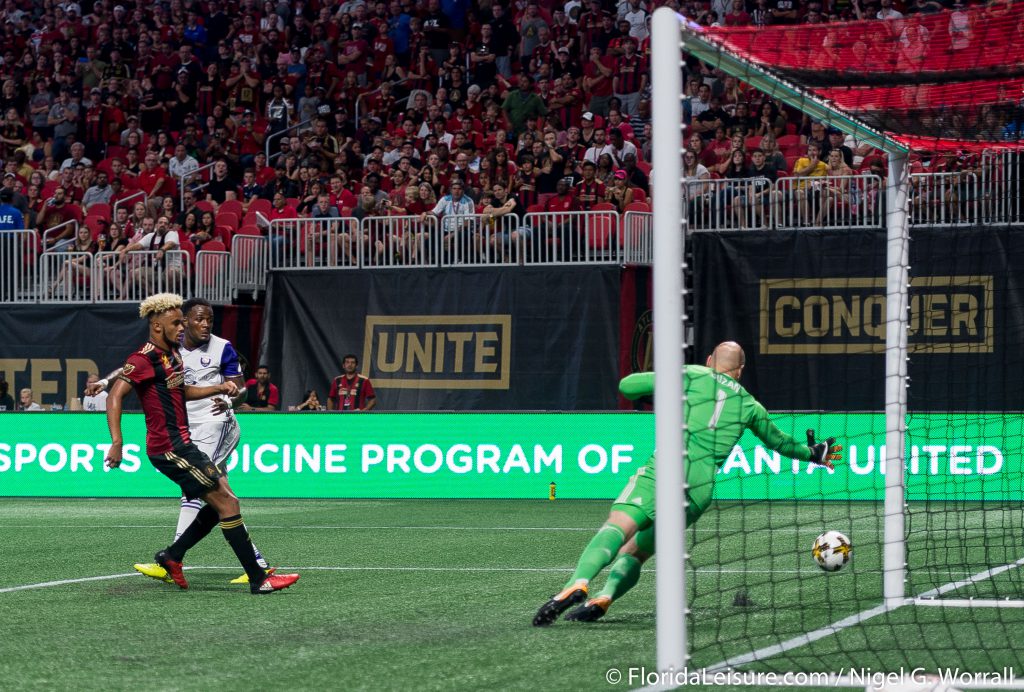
155 182
351 391
260 394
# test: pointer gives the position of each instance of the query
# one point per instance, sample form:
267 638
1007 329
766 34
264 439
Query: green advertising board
509 455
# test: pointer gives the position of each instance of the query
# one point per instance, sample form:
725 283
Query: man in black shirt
222 187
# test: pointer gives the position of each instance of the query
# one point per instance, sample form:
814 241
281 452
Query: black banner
53 349
543 338
809 307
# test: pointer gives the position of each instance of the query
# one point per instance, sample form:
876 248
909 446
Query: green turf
439 595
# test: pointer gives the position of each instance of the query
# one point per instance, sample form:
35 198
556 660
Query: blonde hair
158 303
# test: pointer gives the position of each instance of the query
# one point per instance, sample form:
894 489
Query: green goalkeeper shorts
637 498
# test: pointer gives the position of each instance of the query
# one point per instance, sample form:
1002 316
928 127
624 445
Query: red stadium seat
231 206
639 195
101 209
604 206
638 206
600 230
261 205
227 218
214 246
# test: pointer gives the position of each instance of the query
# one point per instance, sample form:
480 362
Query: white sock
189 510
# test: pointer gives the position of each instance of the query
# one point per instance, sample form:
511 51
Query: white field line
355 527
382 568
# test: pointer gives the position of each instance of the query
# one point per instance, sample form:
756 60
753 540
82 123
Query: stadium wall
810 308
52 348
529 338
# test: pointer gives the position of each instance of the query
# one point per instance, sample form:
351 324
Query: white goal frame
671 34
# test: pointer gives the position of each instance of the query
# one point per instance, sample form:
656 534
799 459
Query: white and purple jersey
211 364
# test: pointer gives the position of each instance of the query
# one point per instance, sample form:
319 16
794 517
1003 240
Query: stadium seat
638 206
227 218
639 195
261 205
604 206
231 206
96 225
101 209
247 229
644 167
186 245
214 246
203 205
600 230
225 234
788 141
752 142
543 197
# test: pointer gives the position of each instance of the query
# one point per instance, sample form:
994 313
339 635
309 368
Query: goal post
669 318
672 34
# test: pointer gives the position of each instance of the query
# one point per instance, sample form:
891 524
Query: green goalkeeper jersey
717 411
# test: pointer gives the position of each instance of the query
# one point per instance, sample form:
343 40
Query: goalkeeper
717 411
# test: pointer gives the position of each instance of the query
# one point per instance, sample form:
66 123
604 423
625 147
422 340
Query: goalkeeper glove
824 453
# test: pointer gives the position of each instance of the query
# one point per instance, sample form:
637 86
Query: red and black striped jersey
159 380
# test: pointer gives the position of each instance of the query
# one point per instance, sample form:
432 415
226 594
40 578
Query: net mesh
791 261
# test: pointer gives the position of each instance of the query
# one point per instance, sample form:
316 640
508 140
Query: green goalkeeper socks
598 554
622 577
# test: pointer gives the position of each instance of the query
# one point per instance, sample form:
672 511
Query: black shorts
192 470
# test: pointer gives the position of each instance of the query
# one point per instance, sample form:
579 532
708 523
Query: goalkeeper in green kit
717 411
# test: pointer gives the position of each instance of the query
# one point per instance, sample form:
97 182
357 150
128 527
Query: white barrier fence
132 276
213 276
249 264
66 277
990 191
944 199
18 266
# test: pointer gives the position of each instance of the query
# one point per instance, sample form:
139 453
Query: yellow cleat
154 571
244 579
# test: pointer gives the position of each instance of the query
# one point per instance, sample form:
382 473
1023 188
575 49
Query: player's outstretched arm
637 385
774 438
229 388
115 404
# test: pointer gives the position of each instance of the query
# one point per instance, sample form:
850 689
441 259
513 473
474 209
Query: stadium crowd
168 125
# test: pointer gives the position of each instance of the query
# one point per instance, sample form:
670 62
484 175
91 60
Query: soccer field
429 594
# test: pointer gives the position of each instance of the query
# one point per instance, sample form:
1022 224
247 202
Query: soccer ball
831 550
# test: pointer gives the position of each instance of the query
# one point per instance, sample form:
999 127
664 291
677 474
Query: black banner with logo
453 339
809 307
52 349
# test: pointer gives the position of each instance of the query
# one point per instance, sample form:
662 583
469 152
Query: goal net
846 198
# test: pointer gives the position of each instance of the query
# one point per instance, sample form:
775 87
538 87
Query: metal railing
282 133
944 199
249 264
213 276
637 235
360 97
398 241
18 265
572 237
731 204
183 181
66 277
132 276
842 201
73 224
1001 180
133 197
308 243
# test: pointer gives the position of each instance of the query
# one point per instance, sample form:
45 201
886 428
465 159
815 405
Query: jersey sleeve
769 433
333 394
137 370
368 389
229 361
274 399
637 385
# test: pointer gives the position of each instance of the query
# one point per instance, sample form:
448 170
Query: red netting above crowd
933 78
